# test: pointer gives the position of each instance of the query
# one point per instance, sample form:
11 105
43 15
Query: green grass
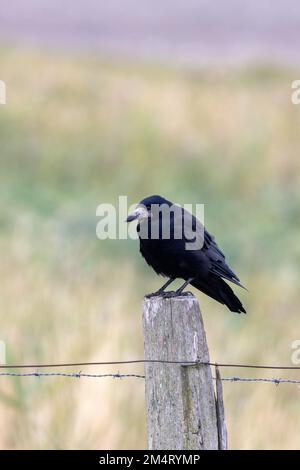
77 132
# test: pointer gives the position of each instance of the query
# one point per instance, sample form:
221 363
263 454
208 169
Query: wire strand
258 379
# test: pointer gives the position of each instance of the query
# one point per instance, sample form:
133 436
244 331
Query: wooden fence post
181 404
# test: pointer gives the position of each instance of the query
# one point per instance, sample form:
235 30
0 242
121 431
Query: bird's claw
186 293
161 294
153 294
176 294
168 294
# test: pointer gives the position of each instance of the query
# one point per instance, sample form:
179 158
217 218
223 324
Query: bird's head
143 209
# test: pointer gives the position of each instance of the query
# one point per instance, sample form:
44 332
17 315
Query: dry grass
78 131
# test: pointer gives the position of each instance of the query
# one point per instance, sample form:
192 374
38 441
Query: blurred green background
77 131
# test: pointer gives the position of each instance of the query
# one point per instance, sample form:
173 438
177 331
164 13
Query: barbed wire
258 379
75 375
117 375
78 375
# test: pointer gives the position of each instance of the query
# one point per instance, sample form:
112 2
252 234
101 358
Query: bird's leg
169 281
161 290
180 290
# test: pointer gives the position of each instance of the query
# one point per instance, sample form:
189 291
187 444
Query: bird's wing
217 263
204 258
217 260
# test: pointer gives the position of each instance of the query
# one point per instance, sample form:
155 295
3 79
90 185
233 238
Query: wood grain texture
222 429
180 400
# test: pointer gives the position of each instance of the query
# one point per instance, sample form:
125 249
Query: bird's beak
132 217
139 213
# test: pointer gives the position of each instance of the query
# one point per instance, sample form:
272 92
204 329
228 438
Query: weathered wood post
181 404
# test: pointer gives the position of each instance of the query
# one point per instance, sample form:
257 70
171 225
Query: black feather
170 257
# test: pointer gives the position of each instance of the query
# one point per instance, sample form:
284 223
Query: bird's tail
215 287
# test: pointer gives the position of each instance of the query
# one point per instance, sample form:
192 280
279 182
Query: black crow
176 245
